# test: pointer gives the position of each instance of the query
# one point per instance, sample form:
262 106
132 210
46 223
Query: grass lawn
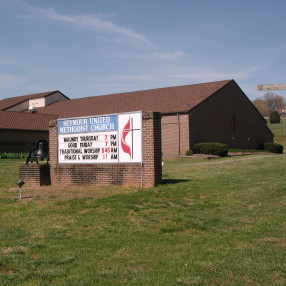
212 222
279 130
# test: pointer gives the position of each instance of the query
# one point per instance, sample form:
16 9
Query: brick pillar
152 149
35 175
53 149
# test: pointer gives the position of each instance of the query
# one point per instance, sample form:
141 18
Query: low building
207 112
19 131
282 111
31 102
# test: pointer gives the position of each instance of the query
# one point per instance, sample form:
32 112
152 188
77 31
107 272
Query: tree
273 102
260 104
269 103
274 117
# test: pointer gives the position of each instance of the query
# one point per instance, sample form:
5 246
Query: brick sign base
35 175
145 174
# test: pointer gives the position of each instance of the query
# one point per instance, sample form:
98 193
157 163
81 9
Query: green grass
9 172
212 222
279 130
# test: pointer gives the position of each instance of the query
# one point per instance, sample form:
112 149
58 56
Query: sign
271 87
101 139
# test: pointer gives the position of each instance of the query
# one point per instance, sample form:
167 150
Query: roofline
152 89
255 108
251 103
197 105
36 113
35 130
188 110
49 93
233 81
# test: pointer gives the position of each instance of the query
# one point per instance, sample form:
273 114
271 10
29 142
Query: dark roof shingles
25 121
165 100
9 102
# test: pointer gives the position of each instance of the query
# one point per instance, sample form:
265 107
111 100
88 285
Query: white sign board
113 138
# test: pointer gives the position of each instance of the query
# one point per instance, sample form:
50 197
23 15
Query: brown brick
35 174
147 175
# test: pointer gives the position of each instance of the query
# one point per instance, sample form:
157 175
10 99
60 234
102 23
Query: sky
95 47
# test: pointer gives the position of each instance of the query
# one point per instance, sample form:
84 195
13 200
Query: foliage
189 152
274 117
269 102
211 149
13 155
273 101
260 105
273 147
219 222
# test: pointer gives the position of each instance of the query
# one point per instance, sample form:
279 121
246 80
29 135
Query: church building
207 112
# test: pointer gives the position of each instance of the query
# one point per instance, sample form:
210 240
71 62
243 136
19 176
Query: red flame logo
124 145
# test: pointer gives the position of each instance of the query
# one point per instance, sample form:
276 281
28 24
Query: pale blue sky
95 47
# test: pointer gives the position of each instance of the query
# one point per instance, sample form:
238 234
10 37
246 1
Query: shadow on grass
174 181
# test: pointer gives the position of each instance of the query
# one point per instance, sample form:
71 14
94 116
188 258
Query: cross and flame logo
124 145
128 128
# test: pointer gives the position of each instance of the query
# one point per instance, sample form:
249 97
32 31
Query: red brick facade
35 174
147 174
175 134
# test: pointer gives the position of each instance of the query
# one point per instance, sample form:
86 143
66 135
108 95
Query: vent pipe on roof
32 109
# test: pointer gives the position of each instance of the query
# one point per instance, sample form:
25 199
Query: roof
9 102
25 121
164 100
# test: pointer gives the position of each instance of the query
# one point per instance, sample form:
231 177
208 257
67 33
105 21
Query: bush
13 155
211 149
189 153
273 147
274 117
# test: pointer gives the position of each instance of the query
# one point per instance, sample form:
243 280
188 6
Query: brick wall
175 134
35 174
20 140
144 175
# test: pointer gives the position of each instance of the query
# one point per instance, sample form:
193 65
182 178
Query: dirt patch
230 154
277 240
204 156
49 193
6 272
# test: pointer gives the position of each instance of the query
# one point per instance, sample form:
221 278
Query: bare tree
260 104
273 102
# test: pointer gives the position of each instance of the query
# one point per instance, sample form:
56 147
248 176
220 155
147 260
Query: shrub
274 117
211 149
273 147
13 155
189 153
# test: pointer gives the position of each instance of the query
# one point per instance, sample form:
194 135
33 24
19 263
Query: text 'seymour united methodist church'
207 112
